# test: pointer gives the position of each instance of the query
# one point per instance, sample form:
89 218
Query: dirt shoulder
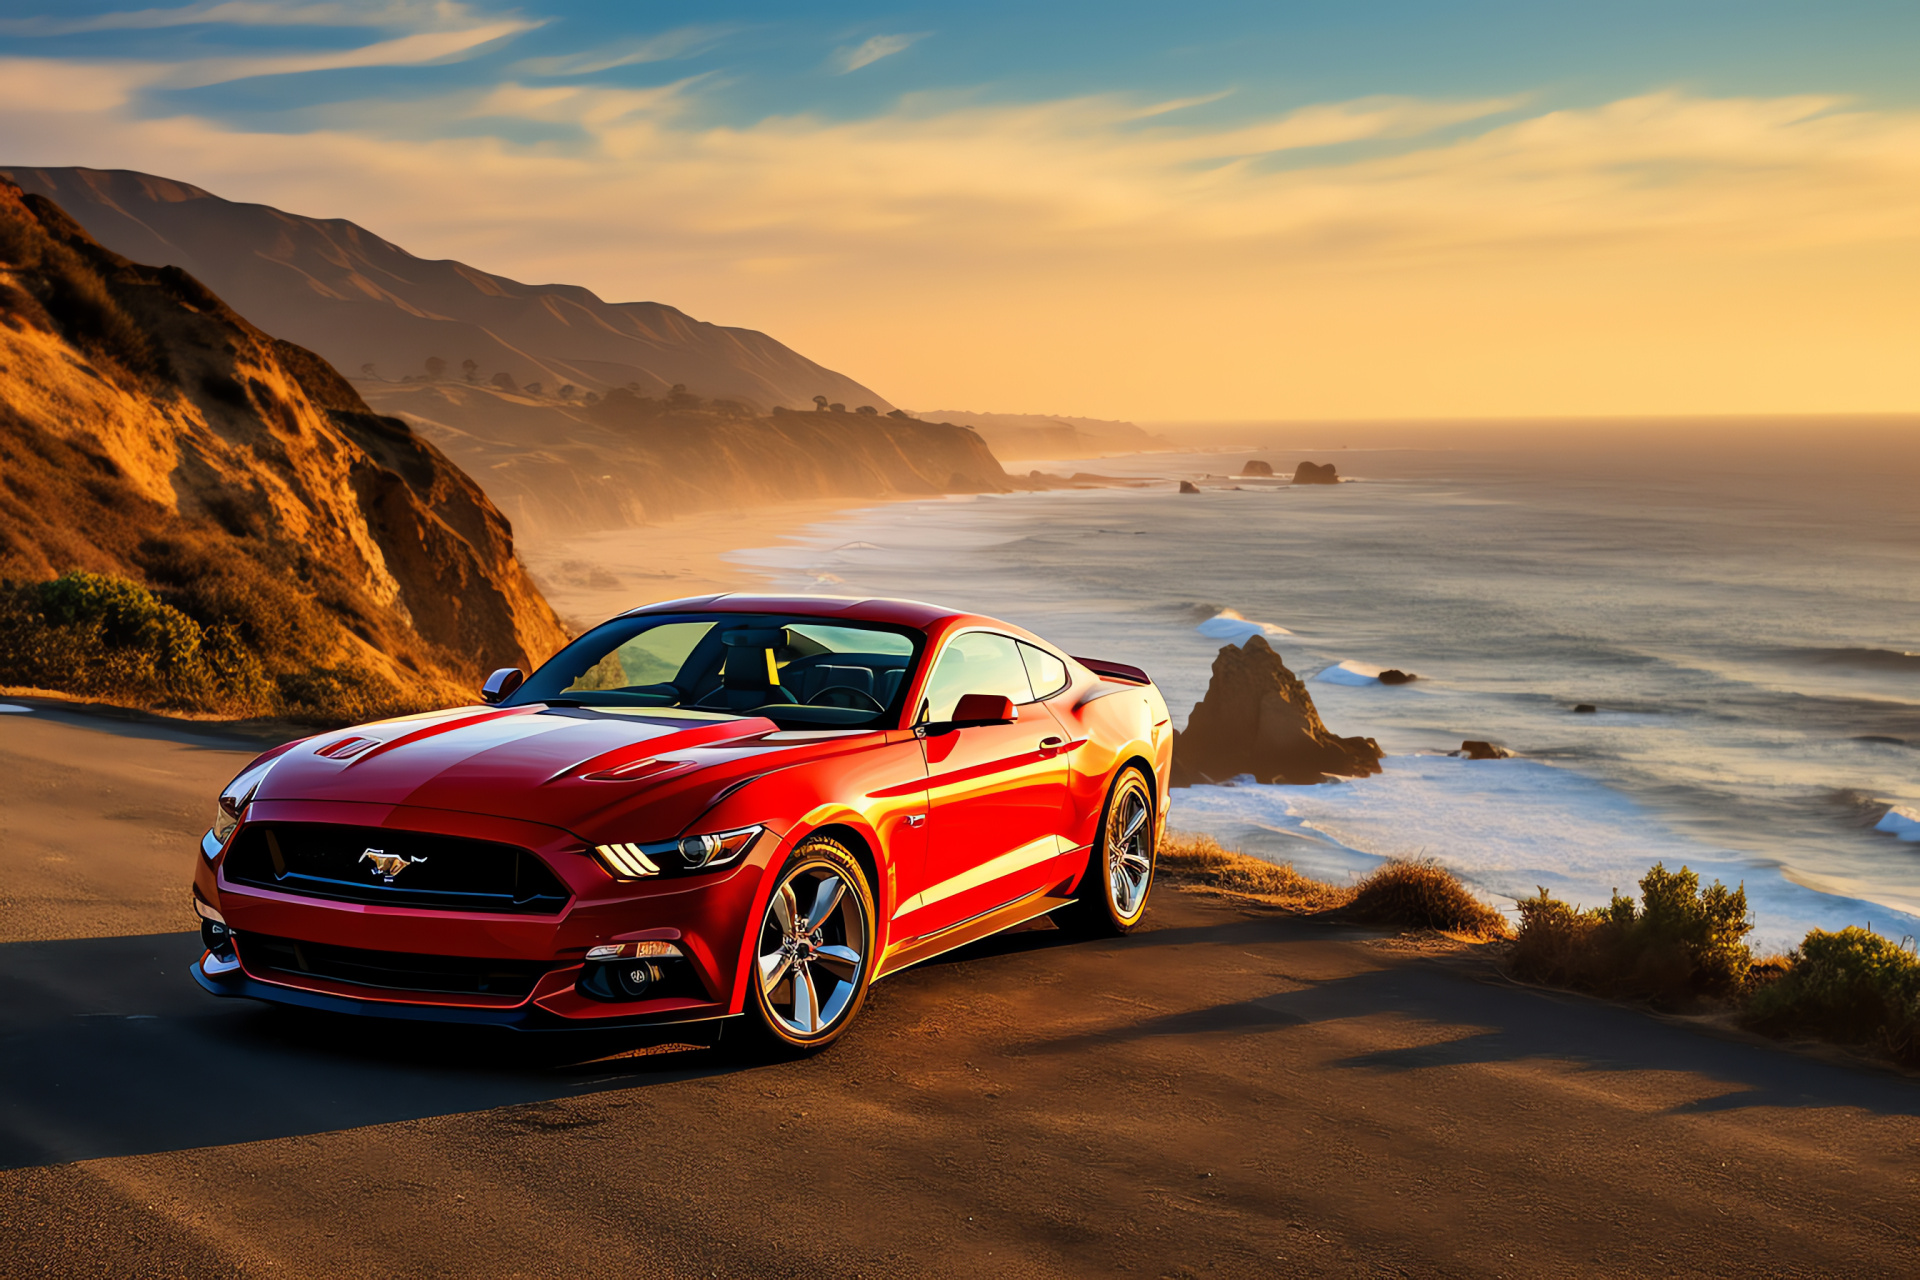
1230 1091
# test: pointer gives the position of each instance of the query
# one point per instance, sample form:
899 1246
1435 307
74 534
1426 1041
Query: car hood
571 767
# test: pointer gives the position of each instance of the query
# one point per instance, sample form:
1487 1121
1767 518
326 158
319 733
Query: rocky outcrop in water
1475 749
1393 675
1257 468
1258 718
1188 486
1315 473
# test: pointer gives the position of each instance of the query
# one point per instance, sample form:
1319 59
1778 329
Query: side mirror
984 708
502 683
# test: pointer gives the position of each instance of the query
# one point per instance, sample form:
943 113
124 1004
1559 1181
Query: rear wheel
812 954
1113 894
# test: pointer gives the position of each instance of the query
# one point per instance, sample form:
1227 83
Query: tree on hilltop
436 368
819 404
869 410
472 369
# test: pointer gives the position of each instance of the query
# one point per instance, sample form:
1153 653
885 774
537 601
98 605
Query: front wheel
812 954
1113 893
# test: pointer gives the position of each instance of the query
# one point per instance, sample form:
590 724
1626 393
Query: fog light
216 938
634 980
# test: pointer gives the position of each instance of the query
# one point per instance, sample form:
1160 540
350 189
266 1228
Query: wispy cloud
1662 251
875 48
415 14
661 48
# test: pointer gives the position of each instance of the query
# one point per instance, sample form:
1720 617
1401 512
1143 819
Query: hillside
558 469
195 513
356 299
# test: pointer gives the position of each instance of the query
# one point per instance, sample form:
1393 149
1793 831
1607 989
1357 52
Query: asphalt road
1228 1092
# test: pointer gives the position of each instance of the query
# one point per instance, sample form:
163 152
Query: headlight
664 857
233 802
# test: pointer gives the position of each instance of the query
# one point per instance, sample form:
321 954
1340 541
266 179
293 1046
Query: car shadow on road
108 1048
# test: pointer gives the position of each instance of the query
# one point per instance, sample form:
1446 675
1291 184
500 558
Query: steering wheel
846 692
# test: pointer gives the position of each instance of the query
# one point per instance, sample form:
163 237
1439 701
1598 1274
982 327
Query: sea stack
1188 486
1315 473
1258 718
1257 468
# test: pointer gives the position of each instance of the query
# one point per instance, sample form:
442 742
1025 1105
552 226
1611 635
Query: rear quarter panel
1112 723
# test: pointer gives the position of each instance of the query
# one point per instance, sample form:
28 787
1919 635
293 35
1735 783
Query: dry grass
1423 895
1201 860
1399 895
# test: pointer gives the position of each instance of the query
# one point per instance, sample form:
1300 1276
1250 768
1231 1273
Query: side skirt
984 925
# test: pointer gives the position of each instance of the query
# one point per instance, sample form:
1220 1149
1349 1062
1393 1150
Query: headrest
754 637
750 663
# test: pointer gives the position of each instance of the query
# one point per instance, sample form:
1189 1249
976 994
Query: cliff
356 299
149 433
1258 718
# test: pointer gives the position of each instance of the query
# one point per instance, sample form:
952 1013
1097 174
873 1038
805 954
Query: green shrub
1678 943
102 636
1853 987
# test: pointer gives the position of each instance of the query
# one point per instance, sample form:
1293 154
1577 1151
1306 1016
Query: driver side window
976 662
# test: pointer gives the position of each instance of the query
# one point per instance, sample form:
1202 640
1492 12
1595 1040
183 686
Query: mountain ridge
358 299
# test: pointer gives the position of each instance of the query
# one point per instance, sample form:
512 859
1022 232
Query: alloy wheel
1129 849
812 953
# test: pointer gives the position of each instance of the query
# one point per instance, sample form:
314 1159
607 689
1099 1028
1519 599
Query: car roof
912 613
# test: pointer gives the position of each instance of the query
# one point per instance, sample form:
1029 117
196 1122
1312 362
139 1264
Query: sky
1198 211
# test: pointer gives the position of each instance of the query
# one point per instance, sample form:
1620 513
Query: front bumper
236 982
705 916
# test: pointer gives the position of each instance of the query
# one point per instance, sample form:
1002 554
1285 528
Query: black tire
784 1018
1098 910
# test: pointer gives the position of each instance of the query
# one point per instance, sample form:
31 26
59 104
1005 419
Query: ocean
1739 600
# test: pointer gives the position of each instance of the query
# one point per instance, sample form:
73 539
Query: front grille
389 970
446 873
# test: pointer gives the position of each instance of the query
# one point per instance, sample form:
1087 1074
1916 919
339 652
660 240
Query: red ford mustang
732 807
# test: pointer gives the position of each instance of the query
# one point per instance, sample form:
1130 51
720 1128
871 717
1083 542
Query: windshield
799 672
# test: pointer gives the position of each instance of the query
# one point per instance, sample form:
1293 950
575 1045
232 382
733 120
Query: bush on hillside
1678 943
1423 895
102 636
1852 987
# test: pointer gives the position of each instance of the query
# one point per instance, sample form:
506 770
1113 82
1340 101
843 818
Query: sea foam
1900 822
1230 626
1506 827
1349 673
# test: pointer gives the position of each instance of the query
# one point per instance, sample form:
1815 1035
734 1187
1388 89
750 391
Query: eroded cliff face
148 431
1258 718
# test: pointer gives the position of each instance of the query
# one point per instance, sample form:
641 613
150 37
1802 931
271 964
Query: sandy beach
593 576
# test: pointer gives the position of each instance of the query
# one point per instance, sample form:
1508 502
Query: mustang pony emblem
388 864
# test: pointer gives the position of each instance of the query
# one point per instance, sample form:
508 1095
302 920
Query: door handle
916 819
1050 746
